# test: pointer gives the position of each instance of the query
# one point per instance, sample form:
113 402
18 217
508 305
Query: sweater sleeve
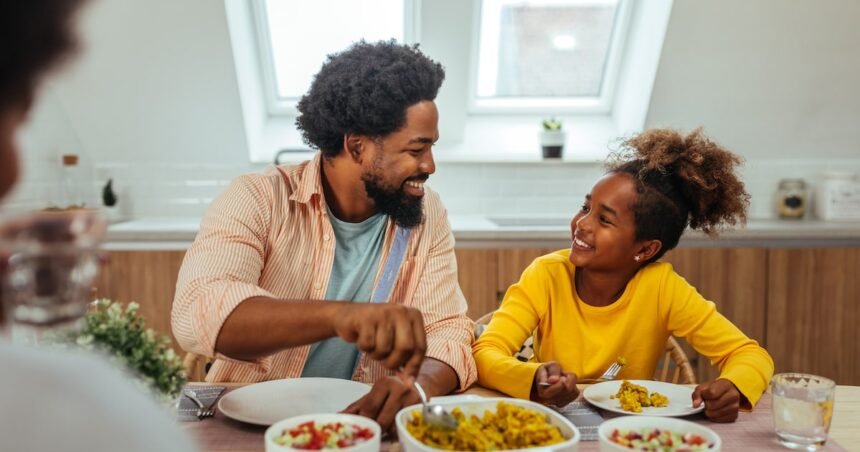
740 359
512 324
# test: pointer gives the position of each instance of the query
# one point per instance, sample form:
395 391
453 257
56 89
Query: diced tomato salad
659 440
333 435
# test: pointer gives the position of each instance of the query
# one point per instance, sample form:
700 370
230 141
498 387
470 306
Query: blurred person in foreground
53 400
296 271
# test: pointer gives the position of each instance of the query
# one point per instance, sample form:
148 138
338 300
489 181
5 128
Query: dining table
753 431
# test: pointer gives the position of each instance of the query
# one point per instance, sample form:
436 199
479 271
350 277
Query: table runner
752 432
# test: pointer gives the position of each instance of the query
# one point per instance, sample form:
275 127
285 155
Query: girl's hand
553 386
721 398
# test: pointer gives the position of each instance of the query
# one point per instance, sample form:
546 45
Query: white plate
680 398
271 401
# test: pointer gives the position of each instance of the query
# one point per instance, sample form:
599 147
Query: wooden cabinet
813 313
146 277
801 304
477 272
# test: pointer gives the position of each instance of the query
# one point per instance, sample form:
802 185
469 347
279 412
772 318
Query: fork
202 411
609 374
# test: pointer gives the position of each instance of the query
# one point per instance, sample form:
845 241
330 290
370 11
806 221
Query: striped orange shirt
269 235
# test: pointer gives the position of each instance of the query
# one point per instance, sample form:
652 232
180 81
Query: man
54 400
356 223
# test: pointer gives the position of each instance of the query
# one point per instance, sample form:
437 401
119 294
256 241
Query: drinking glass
50 260
802 409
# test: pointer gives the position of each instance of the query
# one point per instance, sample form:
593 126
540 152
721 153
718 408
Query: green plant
121 333
108 195
551 124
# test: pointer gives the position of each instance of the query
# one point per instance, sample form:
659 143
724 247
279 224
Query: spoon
435 414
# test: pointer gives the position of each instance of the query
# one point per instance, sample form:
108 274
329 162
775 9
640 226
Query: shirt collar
310 182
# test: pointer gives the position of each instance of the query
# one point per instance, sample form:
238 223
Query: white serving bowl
477 407
372 445
663 423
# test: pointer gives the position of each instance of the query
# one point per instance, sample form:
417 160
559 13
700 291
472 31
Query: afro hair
365 90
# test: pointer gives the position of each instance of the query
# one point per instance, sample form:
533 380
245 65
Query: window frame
601 105
285 106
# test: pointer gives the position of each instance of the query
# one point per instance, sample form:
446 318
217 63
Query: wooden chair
195 366
482 322
674 360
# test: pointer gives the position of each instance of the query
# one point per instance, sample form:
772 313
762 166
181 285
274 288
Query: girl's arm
740 359
524 304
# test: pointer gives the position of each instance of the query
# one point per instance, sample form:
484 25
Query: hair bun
701 170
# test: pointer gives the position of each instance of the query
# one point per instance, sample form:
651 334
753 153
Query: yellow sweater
587 339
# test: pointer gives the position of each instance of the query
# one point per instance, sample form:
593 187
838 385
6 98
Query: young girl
608 296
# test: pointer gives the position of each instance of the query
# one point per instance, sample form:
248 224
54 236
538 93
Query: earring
637 258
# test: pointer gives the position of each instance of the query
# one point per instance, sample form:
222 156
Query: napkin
585 417
187 409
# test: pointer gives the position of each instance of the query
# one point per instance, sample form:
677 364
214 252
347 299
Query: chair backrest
674 360
195 366
482 322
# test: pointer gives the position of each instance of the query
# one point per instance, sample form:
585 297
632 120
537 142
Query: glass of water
802 409
49 263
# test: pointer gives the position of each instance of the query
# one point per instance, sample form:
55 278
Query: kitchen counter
525 232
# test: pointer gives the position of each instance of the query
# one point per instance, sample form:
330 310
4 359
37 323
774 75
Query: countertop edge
480 232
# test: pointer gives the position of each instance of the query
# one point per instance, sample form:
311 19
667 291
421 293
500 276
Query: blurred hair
35 36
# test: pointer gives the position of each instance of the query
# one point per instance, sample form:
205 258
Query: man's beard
407 211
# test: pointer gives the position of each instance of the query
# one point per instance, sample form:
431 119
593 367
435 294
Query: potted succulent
552 138
109 203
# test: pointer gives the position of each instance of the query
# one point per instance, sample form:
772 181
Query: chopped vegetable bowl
343 432
654 433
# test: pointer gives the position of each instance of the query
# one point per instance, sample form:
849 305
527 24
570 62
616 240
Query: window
590 63
294 37
548 55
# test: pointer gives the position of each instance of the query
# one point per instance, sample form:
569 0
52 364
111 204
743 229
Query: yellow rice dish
510 427
633 397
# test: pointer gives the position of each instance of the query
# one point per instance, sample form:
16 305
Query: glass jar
71 185
791 198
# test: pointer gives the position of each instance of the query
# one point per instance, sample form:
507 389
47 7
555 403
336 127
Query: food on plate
509 427
659 440
333 435
633 397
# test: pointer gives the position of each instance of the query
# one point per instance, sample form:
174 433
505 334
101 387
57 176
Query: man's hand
390 333
384 400
721 398
552 385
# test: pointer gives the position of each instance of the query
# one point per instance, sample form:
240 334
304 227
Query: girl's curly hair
682 180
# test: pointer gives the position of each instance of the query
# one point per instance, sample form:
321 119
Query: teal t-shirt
358 247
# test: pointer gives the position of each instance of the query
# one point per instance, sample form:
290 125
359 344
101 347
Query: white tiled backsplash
148 190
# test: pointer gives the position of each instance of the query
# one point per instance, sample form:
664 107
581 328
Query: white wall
153 103
768 78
